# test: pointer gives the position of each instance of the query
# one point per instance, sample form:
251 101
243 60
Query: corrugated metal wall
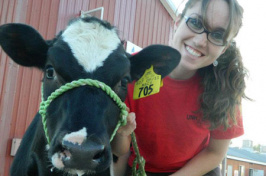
20 87
142 22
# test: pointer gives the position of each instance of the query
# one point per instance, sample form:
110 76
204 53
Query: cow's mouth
59 158
78 163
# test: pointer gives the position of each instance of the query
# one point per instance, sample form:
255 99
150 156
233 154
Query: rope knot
123 119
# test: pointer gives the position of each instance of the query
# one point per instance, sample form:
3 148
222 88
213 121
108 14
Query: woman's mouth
193 51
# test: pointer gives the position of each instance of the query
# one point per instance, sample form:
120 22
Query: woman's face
196 50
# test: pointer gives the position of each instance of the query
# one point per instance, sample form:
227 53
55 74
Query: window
241 171
229 170
251 171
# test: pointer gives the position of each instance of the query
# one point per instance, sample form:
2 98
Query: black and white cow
81 120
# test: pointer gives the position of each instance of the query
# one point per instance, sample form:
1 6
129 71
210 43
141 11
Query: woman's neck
182 74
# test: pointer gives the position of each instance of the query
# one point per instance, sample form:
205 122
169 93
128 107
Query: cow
80 121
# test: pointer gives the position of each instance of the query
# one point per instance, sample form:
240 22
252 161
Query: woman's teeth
193 52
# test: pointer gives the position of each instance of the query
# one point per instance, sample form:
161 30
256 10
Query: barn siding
142 22
20 87
8 78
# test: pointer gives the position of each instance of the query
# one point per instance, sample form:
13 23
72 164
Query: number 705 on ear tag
147 85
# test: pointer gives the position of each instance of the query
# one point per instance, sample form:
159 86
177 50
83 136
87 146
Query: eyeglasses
195 24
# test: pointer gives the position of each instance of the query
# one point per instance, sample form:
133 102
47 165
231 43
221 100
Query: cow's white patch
91 43
77 137
77 172
57 160
80 172
47 147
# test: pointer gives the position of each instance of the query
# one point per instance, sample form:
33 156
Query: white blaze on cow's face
77 137
91 43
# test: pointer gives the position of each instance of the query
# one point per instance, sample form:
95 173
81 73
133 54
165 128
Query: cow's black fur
85 106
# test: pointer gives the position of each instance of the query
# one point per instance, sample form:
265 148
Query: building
242 162
143 22
263 149
247 144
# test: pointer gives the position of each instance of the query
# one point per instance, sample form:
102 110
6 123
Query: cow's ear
163 58
23 44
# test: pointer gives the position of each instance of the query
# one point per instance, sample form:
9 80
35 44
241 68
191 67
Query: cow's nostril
87 156
99 154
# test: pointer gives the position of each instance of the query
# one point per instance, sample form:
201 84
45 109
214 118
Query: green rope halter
78 83
123 115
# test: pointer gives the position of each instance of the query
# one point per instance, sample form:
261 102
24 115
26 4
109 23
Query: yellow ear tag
147 85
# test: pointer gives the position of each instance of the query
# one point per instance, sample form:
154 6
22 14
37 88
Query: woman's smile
193 51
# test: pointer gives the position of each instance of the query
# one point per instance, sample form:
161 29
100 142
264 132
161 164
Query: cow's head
81 120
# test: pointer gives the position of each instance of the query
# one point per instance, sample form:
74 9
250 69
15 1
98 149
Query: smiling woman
253 111
208 84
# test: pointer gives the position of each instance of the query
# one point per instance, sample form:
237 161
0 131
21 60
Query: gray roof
247 155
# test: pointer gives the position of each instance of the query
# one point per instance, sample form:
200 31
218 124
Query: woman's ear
230 42
225 48
176 24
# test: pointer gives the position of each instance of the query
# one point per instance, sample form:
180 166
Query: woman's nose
200 40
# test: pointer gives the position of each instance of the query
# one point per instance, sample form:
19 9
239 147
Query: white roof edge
245 160
170 7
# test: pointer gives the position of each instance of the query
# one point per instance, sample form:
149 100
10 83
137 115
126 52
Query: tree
256 148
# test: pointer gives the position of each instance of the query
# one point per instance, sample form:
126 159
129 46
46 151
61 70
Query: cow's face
80 121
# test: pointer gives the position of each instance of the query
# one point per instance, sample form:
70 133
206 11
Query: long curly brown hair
224 84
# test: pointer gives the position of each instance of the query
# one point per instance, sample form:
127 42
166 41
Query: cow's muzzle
88 156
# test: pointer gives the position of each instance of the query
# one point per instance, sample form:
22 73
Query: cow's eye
125 81
50 73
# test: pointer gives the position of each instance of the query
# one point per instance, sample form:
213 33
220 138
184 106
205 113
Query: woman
185 130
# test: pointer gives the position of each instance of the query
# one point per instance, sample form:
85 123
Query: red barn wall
142 22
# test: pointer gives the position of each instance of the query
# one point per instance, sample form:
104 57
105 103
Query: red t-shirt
168 131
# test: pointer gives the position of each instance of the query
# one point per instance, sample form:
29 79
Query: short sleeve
233 131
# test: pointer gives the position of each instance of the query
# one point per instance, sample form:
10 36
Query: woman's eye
50 73
218 35
196 23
